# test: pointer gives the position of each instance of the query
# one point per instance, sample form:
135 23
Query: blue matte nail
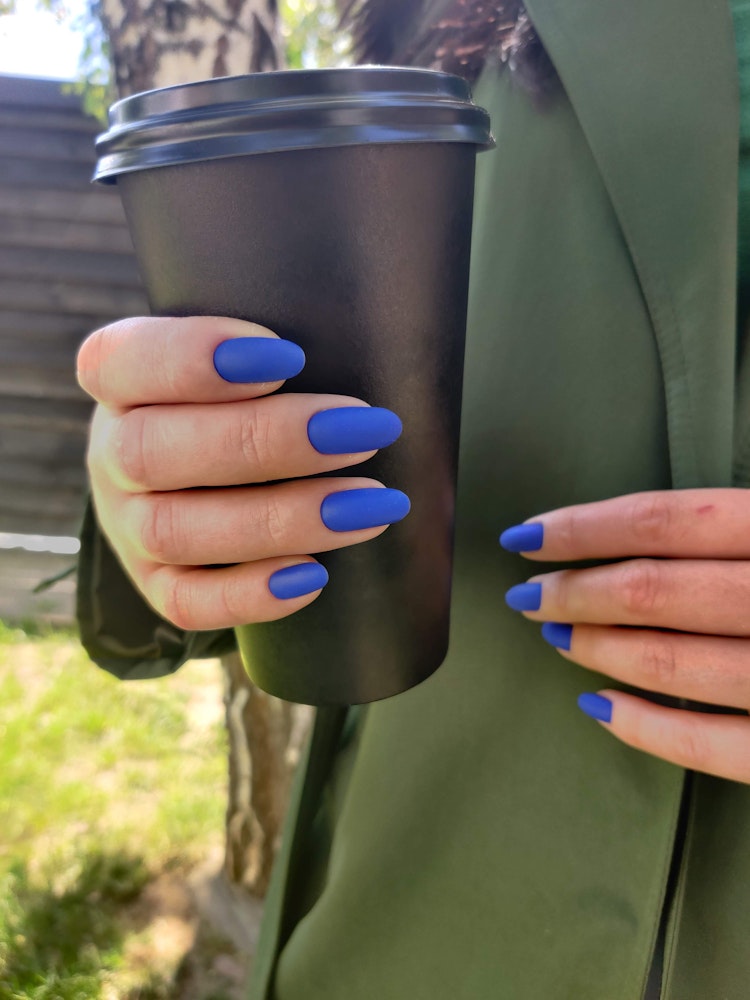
557 634
350 429
596 706
525 597
353 510
296 581
258 359
523 538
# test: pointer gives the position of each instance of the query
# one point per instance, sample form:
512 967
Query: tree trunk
265 738
157 43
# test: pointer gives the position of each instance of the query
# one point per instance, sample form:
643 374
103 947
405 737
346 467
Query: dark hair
459 36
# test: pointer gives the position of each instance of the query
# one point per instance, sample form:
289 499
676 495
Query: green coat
478 838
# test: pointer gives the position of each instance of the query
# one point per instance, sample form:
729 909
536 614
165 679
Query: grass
110 793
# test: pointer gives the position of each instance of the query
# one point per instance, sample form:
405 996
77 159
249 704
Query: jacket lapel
654 85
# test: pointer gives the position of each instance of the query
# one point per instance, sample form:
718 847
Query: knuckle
255 430
642 587
96 362
88 363
161 537
658 662
132 451
96 444
274 525
692 746
565 590
651 518
175 374
570 529
178 603
232 600
129 447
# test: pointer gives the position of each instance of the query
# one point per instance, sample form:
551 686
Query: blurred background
138 821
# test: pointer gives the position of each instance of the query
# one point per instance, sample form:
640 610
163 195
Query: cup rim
287 110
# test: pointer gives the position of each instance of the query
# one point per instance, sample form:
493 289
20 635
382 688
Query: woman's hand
185 421
684 593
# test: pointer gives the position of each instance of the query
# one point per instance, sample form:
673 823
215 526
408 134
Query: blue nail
258 359
525 597
557 634
350 429
352 510
296 581
596 706
523 538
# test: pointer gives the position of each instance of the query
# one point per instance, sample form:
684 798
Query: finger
707 523
703 668
146 360
705 596
197 527
196 598
251 441
712 744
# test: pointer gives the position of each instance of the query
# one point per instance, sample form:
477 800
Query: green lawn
110 794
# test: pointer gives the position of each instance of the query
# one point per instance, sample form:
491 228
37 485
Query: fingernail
353 510
525 597
296 581
349 429
523 538
596 706
258 359
557 634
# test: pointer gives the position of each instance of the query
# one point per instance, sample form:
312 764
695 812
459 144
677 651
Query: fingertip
596 706
524 596
353 430
363 508
558 634
256 360
522 538
299 580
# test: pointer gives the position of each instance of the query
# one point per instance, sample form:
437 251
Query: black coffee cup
335 208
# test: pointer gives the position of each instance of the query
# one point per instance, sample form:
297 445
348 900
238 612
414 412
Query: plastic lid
293 109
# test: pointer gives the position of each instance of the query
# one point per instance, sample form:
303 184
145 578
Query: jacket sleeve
119 630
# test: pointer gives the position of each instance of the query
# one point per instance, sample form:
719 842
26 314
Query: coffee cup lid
290 109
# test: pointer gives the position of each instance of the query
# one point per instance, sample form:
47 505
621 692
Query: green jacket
478 838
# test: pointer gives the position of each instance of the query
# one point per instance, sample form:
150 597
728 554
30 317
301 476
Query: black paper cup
335 208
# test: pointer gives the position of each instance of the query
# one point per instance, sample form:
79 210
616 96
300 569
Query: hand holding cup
187 451
335 208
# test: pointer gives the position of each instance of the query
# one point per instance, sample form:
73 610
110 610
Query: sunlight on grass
103 786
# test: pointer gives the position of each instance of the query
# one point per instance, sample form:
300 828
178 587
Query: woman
478 836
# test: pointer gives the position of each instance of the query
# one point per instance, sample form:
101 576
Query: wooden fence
66 267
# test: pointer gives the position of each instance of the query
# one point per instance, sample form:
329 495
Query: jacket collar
654 86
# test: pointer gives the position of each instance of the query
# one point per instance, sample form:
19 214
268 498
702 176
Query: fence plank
30 499
95 203
46 331
60 415
64 235
38 383
48 296
46 144
12 116
33 93
23 172
48 448
66 268
77 265
20 572
32 475
54 360
24 523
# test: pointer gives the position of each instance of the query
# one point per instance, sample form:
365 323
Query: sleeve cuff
119 630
